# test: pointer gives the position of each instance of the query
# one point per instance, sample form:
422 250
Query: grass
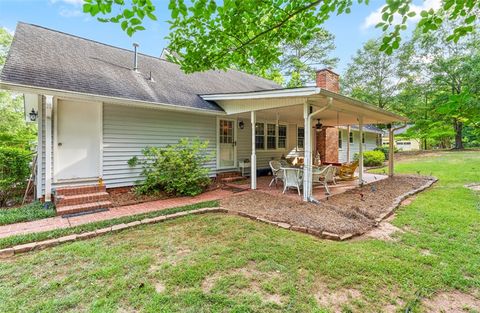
224 263
29 212
21 239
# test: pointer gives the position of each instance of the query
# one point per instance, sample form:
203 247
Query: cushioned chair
347 171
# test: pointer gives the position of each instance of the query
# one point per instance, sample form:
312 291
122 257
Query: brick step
232 179
80 208
78 190
61 201
223 175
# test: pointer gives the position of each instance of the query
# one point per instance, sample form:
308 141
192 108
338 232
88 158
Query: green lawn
224 263
29 212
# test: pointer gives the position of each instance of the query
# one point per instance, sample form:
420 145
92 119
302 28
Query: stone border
337 237
9 252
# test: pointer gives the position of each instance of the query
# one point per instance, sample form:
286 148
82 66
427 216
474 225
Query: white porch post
48 147
253 158
307 163
360 150
348 144
390 150
39 181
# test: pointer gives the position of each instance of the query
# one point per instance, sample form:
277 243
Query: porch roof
288 105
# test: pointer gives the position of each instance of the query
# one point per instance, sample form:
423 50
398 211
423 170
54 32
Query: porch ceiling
287 106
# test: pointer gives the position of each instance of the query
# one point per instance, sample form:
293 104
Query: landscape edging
38 245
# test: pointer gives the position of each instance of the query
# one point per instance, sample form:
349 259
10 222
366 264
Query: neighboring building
403 144
99 105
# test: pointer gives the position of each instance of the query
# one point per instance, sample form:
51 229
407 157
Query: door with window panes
227 144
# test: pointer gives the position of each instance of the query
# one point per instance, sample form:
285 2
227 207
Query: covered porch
308 107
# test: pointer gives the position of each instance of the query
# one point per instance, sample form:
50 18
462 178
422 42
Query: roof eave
93 97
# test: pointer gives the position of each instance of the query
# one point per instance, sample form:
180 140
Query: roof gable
49 59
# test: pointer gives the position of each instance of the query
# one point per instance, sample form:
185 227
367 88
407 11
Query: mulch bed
130 198
352 212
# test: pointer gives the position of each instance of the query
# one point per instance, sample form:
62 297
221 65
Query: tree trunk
458 127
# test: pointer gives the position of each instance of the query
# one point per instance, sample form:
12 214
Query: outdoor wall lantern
318 126
33 115
241 125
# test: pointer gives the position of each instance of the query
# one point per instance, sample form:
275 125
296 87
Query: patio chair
324 176
292 177
277 173
347 171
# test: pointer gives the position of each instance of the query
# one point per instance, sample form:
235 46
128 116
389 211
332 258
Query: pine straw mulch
352 212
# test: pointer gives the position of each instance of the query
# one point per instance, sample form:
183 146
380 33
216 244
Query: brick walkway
59 222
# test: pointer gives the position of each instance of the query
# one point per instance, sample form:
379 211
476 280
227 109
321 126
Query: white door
227 143
77 142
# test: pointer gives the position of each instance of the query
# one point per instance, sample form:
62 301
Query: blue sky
350 31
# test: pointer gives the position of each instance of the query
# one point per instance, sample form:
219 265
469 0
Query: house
402 143
99 105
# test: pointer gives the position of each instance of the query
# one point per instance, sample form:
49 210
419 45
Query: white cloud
72 2
70 12
376 16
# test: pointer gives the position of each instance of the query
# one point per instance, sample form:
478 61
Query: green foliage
176 169
29 212
248 34
371 158
385 151
14 171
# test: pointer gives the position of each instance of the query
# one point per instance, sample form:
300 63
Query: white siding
370 144
244 145
127 130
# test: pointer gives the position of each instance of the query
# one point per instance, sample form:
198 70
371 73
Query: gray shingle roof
46 58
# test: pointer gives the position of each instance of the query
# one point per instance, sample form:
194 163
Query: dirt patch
352 212
451 302
474 186
245 280
336 299
159 287
384 231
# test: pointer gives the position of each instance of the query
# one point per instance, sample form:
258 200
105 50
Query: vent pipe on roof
135 59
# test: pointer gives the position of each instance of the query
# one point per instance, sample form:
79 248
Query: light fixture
241 125
318 126
33 115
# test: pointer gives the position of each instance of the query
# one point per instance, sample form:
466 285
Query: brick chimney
328 79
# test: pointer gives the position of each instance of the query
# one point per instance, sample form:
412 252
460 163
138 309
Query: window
300 137
282 136
363 138
350 137
340 141
226 131
271 136
259 136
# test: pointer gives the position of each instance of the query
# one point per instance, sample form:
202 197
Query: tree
299 61
247 34
373 76
13 129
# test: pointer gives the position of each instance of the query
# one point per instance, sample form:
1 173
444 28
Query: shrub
14 171
176 169
372 158
384 150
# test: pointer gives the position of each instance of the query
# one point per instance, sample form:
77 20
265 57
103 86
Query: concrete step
80 208
78 190
62 200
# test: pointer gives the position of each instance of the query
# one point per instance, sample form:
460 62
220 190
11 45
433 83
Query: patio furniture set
292 175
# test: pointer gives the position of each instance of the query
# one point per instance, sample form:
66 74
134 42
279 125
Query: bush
372 158
176 169
29 212
14 171
384 150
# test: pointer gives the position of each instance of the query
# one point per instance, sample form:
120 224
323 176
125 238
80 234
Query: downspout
307 169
